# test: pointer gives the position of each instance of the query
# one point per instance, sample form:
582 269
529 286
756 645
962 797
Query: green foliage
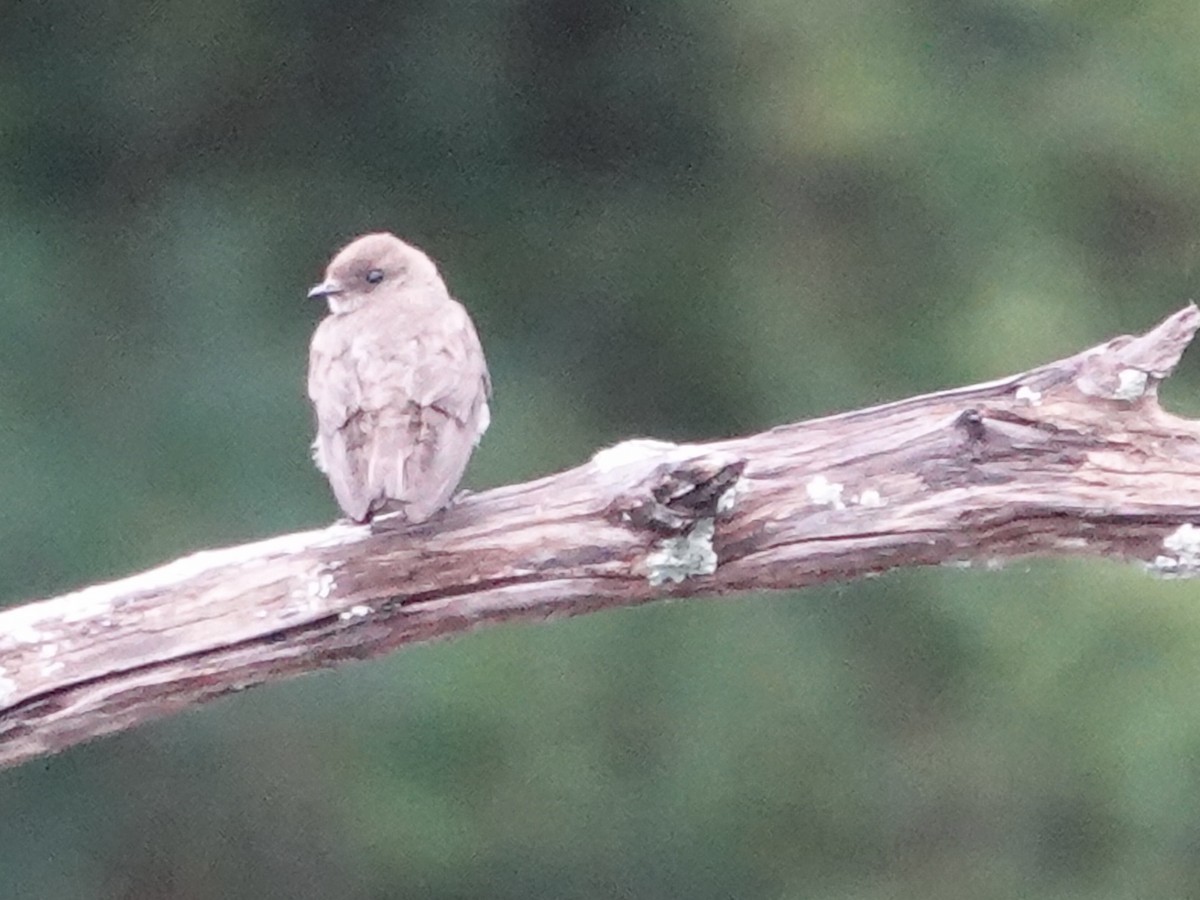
683 219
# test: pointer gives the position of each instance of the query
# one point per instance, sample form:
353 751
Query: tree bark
1072 458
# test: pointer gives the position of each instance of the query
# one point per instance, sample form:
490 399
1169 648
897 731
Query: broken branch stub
1075 457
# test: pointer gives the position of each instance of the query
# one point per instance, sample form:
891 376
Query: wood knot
971 422
677 495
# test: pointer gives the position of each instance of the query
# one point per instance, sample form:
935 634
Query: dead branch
1076 457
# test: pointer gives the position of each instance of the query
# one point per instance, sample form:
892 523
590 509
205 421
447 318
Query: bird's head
379 262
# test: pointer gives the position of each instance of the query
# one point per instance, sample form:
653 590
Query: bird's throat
340 304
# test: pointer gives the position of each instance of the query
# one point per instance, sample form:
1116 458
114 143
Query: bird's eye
375 276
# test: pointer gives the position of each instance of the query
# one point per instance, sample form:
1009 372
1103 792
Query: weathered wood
1075 457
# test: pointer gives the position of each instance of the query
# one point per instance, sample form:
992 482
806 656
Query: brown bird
397 379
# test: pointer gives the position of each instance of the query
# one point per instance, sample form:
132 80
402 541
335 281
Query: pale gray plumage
398 382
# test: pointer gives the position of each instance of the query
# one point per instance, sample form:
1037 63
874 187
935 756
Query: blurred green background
682 219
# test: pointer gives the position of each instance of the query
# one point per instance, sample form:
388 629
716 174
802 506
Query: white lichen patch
310 595
358 611
8 689
1131 384
683 557
24 625
1026 394
870 497
1182 559
320 587
824 492
628 453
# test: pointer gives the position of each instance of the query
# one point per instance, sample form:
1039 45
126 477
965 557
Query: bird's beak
324 289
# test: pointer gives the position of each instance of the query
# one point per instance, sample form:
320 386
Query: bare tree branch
1075 457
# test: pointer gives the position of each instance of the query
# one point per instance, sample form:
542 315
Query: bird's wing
444 388
343 425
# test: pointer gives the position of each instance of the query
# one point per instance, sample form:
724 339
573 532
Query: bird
398 382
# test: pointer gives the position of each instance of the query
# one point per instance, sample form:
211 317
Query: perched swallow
397 379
